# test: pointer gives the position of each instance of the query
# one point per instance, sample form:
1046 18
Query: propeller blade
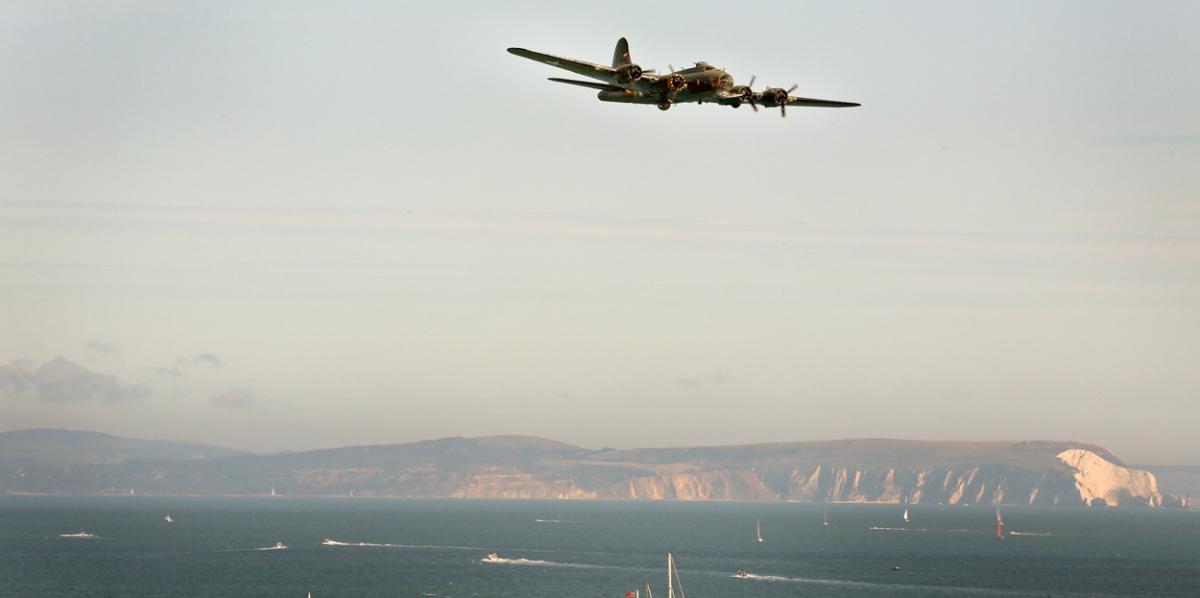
754 106
783 110
793 88
670 66
752 78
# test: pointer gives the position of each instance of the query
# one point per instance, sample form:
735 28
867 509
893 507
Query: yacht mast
670 586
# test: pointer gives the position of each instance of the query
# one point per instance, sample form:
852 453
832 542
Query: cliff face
864 471
1102 482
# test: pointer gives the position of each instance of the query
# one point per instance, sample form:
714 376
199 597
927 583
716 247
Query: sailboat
758 530
273 491
906 514
168 519
826 521
673 573
999 526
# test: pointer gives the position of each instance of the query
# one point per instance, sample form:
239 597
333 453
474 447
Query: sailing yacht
826 521
999 526
168 519
673 573
758 530
906 514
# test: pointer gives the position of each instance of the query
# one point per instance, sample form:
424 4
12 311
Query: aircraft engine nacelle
673 83
629 73
775 96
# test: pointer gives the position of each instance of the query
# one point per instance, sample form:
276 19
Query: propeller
750 92
783 106
779 97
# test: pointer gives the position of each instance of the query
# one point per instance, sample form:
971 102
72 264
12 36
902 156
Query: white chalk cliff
1099 479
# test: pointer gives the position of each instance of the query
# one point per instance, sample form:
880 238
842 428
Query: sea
440 548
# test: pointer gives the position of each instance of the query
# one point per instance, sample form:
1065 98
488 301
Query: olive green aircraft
628 83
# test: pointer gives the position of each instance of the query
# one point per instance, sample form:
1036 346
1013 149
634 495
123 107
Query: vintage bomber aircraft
627 82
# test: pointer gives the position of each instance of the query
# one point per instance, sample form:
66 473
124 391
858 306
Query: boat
741 573
273 491
279 546
999 526
906 515
758 530
896 568
826 520
672 571
168 519
491 558
81 534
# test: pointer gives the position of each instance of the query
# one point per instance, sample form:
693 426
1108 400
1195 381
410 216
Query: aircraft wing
813 103
579 67
591 84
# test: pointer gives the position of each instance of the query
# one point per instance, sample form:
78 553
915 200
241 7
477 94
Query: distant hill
69 447
865 470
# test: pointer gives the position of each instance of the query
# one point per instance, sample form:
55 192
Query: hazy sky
288 225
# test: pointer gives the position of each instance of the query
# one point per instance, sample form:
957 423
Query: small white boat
491 558
826 521
168 519
81 534
741 573
758 530
906 515
279 546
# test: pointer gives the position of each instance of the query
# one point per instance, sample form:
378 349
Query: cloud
717 379
1156 139
100 347
233 398
62 381
200 359
170 371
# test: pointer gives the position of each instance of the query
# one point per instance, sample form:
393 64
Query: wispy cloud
233 398
717 379
100 347
200 359
62 381
1155 139
580 226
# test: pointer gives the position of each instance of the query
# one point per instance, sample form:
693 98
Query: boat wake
918 529
764 577
81 535
332 542
328 542
495 559
1042 534
953 590
553 521
276 547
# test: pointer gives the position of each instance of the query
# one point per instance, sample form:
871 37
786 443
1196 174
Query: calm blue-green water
433 548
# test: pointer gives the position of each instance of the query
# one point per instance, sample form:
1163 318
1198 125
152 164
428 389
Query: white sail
906 515
758 530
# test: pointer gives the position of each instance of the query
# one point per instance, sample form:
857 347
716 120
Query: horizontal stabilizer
593 85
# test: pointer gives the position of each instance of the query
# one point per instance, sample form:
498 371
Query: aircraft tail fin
621 54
